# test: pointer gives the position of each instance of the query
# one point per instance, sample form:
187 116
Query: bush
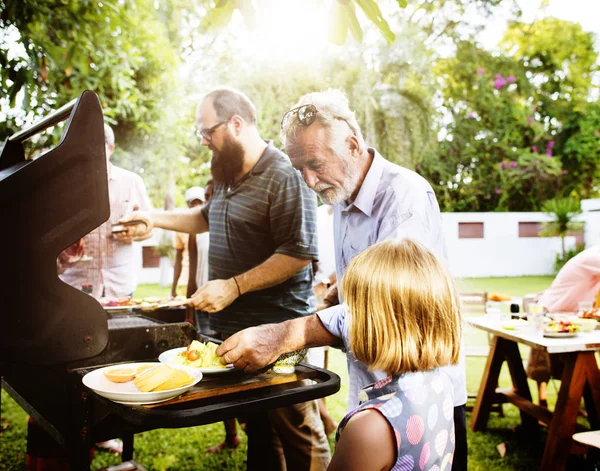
569 254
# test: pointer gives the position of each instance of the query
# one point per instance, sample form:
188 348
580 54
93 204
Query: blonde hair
404 308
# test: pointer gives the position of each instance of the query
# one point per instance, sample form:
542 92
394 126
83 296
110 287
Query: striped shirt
110 265
271 210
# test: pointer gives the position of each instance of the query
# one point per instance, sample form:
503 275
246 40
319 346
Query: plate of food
561 329
560 335
197 355
141 383
514 324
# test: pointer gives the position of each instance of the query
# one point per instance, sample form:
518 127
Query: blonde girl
404 320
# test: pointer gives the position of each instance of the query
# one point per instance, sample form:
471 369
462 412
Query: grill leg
79 441
127 447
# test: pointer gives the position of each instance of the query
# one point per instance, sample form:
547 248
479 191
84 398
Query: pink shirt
111 270
578 280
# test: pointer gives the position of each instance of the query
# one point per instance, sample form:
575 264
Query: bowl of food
201 355
286 363
150 382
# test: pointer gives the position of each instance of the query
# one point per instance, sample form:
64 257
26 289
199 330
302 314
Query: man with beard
262 225
373 200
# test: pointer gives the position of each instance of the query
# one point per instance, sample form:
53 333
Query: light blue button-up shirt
392 203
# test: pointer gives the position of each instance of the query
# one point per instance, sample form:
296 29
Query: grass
183 449
517 287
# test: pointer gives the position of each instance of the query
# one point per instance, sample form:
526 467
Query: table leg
487 388
573 381
519 380
591 392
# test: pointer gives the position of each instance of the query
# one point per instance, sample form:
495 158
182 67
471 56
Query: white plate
167 357
117 308
128 393
561 335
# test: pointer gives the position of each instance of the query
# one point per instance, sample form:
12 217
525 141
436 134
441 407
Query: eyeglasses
207 133
306 115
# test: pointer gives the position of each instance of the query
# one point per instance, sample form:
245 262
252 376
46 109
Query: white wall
500 253
162 275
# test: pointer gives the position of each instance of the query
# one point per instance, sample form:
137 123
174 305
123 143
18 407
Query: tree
507 119
52 50
563 212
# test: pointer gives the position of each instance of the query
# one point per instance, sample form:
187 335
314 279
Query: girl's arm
367 443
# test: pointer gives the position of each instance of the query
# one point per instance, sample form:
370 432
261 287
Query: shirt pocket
355 244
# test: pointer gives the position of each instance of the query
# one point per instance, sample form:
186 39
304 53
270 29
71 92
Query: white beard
331 195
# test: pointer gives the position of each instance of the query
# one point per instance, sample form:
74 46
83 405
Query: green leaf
373 12
249 13
353 23
402 3
338 26
219 16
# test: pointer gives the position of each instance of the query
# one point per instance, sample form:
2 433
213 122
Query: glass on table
584 307
535 319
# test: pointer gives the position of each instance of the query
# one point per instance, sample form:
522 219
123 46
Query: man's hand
135 231
215 295
253 348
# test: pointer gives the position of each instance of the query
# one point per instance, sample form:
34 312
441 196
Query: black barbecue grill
53 334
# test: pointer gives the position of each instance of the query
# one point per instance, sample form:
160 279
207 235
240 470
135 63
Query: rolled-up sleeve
336 323
293 217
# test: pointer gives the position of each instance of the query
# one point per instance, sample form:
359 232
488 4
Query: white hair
109 135
332 107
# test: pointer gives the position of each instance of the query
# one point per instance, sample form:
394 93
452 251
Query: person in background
100 262
198 249
323 280
404 320
106 263
373 200
577 281
261 219
194 197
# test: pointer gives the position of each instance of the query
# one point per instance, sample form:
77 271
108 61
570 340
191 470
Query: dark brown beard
227 162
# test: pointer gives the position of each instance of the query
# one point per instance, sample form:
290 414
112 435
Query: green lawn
183 449
511 286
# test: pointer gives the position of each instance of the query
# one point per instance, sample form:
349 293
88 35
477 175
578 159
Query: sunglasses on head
306 115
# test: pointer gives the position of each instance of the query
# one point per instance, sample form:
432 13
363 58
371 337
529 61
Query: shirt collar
268 155
368 189
113 173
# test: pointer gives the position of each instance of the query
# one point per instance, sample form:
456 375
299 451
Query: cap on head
194 193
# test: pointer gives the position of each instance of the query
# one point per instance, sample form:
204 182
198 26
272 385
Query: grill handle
46 122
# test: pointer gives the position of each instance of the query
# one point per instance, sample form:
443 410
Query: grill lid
47 204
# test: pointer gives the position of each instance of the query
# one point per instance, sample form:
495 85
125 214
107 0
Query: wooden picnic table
580 378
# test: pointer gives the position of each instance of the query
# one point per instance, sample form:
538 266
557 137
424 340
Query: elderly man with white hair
373 200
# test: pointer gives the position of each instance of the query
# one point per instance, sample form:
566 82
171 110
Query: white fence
500 252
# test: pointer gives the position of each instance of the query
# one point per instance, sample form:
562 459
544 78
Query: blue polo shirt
271 210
